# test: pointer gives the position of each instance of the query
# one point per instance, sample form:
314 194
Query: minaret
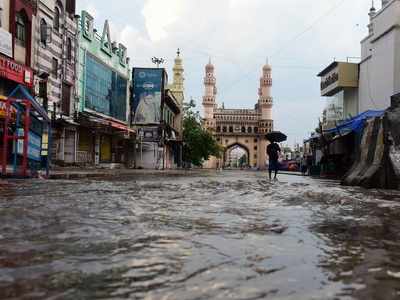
177 87
265 123
372 14
265 100
209 103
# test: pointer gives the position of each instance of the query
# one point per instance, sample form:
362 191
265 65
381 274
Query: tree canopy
199 143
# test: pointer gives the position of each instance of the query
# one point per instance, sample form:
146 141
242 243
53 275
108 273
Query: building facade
239 128
54 57
339 87
17 19
157 117
24 124
380 58
103 84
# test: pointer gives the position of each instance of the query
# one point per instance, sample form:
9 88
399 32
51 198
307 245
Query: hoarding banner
149 134
148 85
34 145
6 43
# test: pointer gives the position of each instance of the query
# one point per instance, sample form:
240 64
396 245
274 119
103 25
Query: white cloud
159 14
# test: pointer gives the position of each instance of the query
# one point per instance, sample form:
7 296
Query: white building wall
4 14
380 66
350 103
377 74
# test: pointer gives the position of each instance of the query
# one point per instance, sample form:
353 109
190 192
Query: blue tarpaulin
355 124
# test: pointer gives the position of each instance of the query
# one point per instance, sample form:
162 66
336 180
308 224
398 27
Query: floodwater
230 235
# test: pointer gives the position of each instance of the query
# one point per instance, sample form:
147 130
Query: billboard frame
164 82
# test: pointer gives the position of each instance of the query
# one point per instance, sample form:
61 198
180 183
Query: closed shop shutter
105 148
85 139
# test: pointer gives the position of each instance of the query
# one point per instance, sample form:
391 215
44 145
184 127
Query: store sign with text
149 134
3 110
5 43
34 145
16 72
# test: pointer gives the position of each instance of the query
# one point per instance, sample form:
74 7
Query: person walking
273 151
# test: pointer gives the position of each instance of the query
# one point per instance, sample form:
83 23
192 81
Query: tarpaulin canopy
355 124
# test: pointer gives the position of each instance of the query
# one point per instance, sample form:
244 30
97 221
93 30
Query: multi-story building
157 115
339 85
239 128
103 84
54 56
380 58
24 124
17 19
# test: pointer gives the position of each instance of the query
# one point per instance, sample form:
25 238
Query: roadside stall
25 133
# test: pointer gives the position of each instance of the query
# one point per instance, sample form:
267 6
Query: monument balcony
210 80
266 82
266 100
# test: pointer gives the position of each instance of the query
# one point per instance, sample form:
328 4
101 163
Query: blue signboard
34 145
148 87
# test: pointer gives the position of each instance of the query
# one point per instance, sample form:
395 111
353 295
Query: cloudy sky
300 38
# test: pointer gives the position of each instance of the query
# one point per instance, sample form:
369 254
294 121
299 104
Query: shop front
104 141
24 123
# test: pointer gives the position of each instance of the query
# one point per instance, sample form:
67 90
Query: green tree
199 143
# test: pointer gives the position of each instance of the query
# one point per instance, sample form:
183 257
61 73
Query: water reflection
215 236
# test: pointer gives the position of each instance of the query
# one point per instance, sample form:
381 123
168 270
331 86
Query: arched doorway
237 156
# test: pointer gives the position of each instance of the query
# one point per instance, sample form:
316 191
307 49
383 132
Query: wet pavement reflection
229 235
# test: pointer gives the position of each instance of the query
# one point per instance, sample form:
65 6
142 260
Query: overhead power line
287 43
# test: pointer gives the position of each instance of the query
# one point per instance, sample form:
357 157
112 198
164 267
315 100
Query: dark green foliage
199 144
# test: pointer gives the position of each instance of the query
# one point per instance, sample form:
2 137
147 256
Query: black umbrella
276 136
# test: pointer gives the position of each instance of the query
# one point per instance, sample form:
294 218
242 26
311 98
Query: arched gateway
239 127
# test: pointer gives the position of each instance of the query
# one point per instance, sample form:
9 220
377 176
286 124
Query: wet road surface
227 235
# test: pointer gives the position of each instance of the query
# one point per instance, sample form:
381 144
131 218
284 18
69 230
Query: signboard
34 145
5 43
3 110
337 76
148 88
14 71
149 134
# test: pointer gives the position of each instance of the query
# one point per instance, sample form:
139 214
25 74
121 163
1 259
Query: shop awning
356 124
20 92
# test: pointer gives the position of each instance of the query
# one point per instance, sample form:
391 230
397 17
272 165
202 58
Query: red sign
16 72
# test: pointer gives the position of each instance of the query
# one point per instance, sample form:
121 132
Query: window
105 90
230 129
43 32
20 32
56 21
66 99
224 129
218 128
243 129
69 49
249 130
54 68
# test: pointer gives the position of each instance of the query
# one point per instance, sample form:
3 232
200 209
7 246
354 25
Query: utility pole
157 61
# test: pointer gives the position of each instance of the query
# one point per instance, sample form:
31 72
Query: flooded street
227 235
